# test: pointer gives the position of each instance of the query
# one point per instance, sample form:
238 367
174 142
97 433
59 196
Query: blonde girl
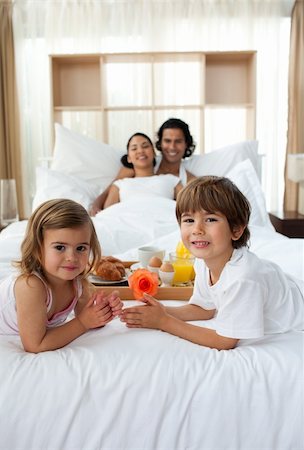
60 248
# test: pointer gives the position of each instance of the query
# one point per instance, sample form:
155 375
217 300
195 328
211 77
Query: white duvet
117 388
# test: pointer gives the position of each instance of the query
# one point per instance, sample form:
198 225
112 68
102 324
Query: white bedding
130 389
117 388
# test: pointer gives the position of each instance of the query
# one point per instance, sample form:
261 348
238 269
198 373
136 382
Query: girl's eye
82 248
59 247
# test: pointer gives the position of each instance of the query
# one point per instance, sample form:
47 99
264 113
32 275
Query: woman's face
173 144
140 152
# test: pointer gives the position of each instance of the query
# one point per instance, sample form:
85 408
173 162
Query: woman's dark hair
124 158
176 123
216 194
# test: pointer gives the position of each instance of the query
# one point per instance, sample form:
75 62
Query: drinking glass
183 269
8 202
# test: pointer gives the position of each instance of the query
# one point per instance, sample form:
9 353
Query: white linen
118 388
157 185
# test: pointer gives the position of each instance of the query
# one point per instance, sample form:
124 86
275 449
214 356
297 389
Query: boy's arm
156 316
190 312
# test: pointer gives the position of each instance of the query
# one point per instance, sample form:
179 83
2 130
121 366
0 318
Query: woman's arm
177 188
99 202
113 196
190 176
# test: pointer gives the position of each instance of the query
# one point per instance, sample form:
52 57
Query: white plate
97 280
136 266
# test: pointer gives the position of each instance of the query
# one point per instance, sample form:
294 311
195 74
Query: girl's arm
99 202
154 315
113 196
32 316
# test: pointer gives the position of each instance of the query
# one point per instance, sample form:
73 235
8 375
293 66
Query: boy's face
208 236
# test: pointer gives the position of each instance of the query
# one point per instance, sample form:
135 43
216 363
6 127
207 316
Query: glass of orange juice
183 268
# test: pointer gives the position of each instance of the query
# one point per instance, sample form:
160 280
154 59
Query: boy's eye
211 219
187 220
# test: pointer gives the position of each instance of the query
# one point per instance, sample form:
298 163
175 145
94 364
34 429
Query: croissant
110 269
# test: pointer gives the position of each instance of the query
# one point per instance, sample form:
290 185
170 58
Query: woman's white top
252 297
182 170
158 185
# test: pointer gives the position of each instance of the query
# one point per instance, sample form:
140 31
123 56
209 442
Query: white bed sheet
118 388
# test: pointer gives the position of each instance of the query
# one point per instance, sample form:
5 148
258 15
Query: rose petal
143 281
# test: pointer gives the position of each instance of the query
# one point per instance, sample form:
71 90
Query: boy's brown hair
216 194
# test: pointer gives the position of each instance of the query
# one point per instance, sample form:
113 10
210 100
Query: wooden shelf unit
104 86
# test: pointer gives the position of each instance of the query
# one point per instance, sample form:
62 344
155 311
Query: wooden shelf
94 83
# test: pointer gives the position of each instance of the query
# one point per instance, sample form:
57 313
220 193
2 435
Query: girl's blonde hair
216 194
54 214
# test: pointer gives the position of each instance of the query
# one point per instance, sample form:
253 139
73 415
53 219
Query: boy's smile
208 236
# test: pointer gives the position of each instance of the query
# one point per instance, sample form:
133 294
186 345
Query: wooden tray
164 293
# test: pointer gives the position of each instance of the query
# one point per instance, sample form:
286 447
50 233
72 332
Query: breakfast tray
164 293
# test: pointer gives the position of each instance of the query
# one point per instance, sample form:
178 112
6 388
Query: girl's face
140 152
208 236
65 252
173 144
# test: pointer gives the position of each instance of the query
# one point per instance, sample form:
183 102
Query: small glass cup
183 269
8 202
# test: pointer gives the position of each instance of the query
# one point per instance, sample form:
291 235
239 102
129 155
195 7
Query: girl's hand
96 313
150 315
113 300
116 304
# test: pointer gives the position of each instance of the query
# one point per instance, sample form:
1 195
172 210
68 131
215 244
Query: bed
118 388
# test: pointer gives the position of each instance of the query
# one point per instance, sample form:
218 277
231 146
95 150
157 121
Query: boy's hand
151 315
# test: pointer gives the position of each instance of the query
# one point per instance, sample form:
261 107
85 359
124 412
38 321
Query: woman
141 159
175 143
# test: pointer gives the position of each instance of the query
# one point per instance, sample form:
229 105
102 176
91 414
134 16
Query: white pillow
51 184
220 161
92 161
245 178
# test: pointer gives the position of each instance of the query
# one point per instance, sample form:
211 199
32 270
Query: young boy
248 296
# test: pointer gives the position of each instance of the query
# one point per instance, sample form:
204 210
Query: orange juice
182 271
183 268
183 252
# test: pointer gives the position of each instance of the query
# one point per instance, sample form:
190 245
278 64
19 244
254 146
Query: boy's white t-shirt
253 297
159 185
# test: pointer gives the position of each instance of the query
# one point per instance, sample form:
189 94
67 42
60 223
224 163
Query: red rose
143 281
